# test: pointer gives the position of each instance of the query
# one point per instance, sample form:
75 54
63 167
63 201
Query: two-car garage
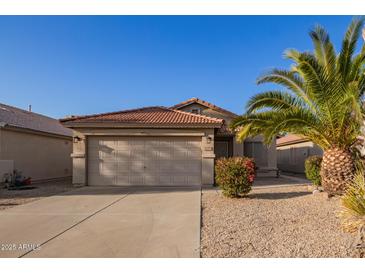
153 146
156 160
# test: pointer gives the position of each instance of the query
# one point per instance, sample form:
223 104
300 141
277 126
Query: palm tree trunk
337 170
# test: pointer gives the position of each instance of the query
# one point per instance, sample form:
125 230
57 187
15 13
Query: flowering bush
235 176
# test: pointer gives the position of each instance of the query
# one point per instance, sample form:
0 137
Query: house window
196 111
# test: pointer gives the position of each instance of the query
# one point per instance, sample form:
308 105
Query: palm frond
288 79
323 94
276 100
270 123
349 46
323 49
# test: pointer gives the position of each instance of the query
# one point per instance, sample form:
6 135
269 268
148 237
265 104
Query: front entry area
149 161
223 147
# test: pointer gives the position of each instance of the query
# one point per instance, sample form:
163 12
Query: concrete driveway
105 222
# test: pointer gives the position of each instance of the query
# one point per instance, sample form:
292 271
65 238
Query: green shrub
352 214
313 169
235 175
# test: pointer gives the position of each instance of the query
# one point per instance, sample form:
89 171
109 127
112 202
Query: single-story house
158 145
293 150
36 145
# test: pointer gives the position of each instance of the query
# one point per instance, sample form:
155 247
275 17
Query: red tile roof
204 103
290 139
148 115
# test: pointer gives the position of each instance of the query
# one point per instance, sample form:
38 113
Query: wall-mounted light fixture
76 139
209 140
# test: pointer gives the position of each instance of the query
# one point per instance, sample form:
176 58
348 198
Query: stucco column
79 160
208 157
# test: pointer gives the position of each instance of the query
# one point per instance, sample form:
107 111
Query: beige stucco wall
291 157
79 154
207 111
238 148
40 157
270 150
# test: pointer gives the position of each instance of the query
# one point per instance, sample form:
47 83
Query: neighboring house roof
290 139
204 103
160 116
19 118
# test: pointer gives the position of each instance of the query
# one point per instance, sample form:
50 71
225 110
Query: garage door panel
193 180
136 166
194 154
106 166
165 180
136 151
150 179
122 153
122 179
95 180
107 158
180 143
137 143
122 143
136 179
103 169
193 144
144 160
165 165
152 144
179 166
152 154
153 166
122 168
194 167
179 180
165 153
180 154
107 145
164 143
122 161
101 154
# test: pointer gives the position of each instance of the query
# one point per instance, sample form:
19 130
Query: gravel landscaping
10 198
286 221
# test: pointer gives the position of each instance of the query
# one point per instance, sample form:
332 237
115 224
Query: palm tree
321 101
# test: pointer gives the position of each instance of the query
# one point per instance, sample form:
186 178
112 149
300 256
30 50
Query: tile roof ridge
107 113
204 103
197 115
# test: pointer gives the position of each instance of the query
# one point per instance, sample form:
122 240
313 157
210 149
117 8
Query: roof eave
218 109
33 131
293 142
72 124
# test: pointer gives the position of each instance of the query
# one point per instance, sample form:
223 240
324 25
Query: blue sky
91 64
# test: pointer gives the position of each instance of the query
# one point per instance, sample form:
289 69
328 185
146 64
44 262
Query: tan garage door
144 161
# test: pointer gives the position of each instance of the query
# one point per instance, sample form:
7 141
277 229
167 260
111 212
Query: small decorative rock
316 191
274 222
